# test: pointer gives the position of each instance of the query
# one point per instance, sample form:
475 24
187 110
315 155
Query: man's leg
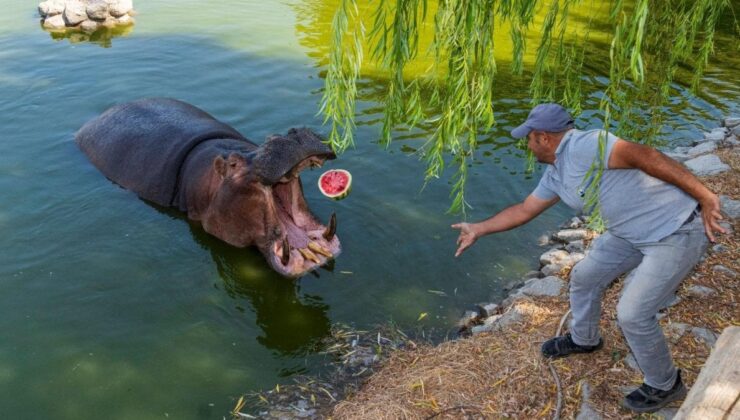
608 258
665 264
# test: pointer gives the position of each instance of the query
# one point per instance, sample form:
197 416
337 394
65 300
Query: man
658 218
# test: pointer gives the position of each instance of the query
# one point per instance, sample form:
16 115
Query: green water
112 308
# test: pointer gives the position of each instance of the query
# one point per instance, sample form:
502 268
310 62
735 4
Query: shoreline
381 374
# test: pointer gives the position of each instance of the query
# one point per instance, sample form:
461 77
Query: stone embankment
85 15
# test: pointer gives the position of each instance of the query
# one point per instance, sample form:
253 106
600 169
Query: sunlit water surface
112 308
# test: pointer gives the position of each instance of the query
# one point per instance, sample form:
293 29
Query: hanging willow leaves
650 41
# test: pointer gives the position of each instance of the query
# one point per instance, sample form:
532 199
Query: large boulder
118 8
54 22
74 12
51 8
97 9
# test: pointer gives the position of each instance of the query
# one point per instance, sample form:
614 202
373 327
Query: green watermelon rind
340 195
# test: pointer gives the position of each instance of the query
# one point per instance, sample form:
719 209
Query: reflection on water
103 36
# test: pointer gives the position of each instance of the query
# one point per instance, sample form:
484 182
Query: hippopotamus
176 155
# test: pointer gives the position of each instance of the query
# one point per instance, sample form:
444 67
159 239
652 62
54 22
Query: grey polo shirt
635 206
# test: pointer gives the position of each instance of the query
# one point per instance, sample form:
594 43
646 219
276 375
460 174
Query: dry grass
503 375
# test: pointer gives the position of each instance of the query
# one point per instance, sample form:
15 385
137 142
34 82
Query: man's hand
468 236
711 215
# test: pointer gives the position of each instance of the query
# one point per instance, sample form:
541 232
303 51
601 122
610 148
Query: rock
706 165
553 256
575 246
630 361
680 157
549 286
51 7
702 148
486 310
570 235
736 130
727 227
551 269
489 324
74 13
124 20
672 301
54 22
543 240
97 9
676 330
89 26
119 8
709 337
731 122
719 248
586 412
732 140
700 291
533 274
721 269
468 319
718 134
729 206
575 258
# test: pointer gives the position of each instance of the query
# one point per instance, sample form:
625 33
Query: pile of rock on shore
569 243
85 15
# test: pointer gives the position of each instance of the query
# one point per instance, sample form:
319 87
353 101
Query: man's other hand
467 237
711 215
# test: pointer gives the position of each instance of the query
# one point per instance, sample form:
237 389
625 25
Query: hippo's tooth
332 228
286 252
307 254
315 247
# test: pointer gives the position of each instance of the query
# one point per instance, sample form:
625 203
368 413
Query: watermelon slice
335 183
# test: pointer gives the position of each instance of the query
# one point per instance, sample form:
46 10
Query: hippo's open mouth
302 244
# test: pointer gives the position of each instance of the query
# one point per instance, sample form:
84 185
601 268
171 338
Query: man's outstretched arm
628 155
509 218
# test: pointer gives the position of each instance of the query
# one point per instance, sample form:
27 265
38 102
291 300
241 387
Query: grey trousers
657 270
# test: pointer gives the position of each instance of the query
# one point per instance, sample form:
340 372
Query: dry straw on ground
503 375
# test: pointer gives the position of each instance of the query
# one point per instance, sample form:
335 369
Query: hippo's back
142 145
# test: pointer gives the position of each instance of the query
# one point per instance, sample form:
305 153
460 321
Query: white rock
586 412
575 246
724 270
701 291
51 7
575 258
97 9
731 122
54 22
729 206
89 26
124 20
549 286
718 134
119 8
552 269
706 165
74 13
702 148
570 235
543 240
707 336
680 157
553 256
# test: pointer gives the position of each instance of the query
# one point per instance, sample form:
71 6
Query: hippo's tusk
315 247
332 228
307 254
286 252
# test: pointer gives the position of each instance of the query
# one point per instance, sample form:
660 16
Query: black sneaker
647 399
563 346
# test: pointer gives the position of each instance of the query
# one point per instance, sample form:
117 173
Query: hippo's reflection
292 324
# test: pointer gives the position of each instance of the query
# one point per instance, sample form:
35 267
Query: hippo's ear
219 164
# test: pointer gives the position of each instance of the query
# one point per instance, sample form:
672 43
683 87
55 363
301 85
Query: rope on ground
559 405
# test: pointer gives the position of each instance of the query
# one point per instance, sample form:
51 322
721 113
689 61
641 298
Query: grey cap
552 118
